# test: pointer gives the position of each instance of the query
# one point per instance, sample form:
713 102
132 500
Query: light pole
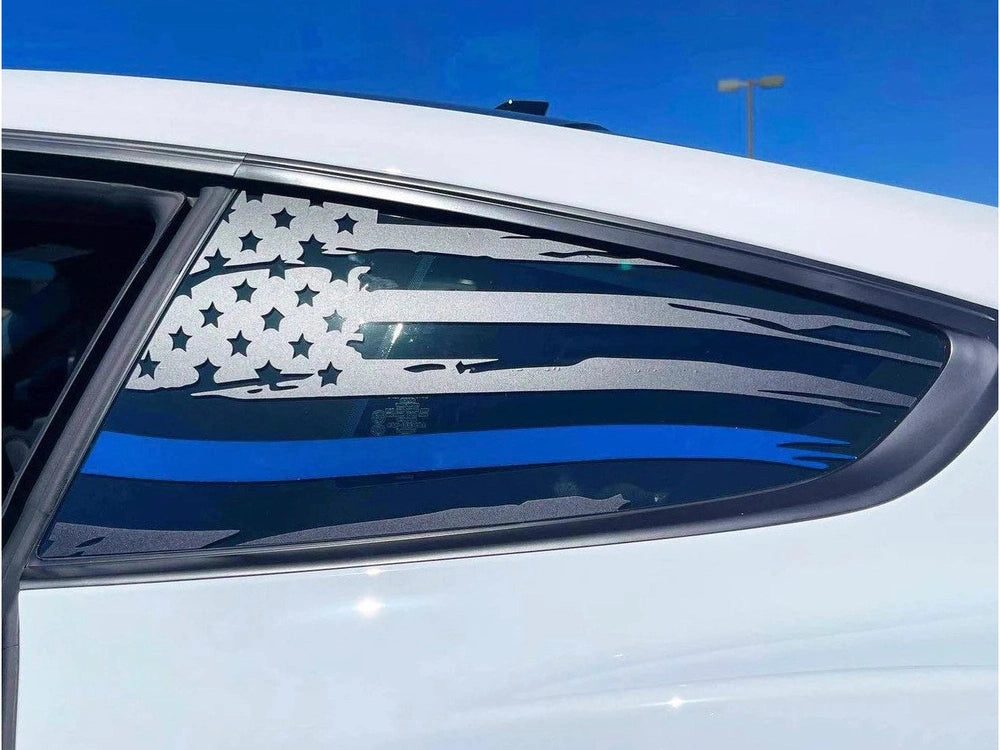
727 85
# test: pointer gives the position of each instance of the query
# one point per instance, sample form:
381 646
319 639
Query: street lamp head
730 84
771 82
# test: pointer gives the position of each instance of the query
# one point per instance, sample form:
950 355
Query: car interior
69 248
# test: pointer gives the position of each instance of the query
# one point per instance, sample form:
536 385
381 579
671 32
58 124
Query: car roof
507 109
938 243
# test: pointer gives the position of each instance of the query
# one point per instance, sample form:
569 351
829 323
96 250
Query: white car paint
866 630
938 243
870 629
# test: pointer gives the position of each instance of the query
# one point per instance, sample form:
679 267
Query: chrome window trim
111 149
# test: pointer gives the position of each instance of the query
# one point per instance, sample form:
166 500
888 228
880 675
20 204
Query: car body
855 608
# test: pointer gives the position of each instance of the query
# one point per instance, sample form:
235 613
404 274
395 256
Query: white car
336 422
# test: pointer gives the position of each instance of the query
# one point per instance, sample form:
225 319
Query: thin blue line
142 457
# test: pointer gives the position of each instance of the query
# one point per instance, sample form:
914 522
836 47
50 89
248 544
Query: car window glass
61 272
327 371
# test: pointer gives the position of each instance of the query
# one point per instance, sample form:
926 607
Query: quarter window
329 372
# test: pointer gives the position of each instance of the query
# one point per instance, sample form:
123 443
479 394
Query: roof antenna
525 107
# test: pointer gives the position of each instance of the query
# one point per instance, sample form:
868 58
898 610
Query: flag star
276 268
312 250
239 344
147 366
346 224
268 374
334 322
229 213
329 375
244 291
250 241
206 373
316 202
251 196
215 262
179 339
312 245
211 315
300 347
306 295
273 319
282 219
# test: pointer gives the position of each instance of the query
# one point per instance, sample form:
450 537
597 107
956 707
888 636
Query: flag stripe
392 378
610 309
143 457
536 345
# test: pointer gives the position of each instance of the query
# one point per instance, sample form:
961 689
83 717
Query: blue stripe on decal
141 457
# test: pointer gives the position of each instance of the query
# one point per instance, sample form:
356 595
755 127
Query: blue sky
900 91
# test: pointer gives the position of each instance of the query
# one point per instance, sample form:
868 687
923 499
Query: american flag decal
327 371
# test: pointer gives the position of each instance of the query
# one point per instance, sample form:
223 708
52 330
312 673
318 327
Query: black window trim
954 410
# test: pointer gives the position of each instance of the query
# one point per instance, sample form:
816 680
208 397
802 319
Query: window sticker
325 366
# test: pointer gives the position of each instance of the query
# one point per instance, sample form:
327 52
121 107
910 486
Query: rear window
329 372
